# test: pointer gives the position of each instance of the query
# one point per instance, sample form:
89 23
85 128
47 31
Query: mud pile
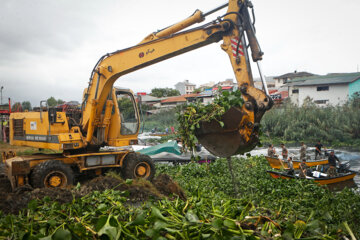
139 191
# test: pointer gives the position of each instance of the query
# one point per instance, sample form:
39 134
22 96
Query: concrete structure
185 87
332 89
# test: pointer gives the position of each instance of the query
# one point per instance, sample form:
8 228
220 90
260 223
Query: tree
164 92
51 102
59 101
26 105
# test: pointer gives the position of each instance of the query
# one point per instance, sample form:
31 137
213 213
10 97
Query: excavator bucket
237 136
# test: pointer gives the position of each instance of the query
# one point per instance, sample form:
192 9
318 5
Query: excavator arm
234 28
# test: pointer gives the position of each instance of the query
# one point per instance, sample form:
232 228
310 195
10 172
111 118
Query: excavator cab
125 119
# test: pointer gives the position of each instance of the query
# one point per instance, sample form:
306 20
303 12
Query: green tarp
170 147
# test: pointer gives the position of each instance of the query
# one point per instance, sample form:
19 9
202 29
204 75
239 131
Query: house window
322 88
321 101
295 91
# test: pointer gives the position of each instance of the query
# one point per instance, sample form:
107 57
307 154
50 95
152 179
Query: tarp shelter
170 147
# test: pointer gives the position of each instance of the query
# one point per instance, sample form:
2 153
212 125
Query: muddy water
353 158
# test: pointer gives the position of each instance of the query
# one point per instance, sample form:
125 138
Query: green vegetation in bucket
191 115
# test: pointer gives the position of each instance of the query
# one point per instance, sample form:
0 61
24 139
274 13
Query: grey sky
48 48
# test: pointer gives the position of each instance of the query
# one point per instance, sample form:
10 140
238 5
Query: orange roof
181 98
174 99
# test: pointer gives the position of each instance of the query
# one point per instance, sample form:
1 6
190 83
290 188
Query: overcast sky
49 47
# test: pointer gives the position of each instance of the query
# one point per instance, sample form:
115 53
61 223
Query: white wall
294 97
337 94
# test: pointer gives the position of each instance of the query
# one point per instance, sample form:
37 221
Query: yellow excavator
102 122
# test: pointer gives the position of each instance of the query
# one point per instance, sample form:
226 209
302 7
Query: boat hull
278 163
322 181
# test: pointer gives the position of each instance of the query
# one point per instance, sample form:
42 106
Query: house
172 102
333 89
185 87
151 101
206 86
285 78
227 83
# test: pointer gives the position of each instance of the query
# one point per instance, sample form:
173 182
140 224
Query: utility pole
2 87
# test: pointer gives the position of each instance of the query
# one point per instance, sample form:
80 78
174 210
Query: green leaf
230 224
151 233
155 212
101 222
140 219
102 207
191 217
158 225
61 234
108 230
32 205
52 222
217 223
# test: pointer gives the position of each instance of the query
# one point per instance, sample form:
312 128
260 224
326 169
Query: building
332 89
206 86
227 83
150 100
185 87
285 78
172 102
270 82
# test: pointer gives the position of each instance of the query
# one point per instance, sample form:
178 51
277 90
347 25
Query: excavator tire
52 174
138 166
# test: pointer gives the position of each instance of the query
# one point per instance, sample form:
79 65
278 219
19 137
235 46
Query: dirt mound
166 186
14 202
138 190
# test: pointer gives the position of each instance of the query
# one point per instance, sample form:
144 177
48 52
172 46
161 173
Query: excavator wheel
52 174
138 166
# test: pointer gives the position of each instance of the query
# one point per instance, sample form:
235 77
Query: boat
318 177
169 152
278 163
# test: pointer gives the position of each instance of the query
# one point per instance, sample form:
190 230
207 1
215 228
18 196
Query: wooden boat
322 179
278 163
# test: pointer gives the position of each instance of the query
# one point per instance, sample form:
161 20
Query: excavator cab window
128 113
